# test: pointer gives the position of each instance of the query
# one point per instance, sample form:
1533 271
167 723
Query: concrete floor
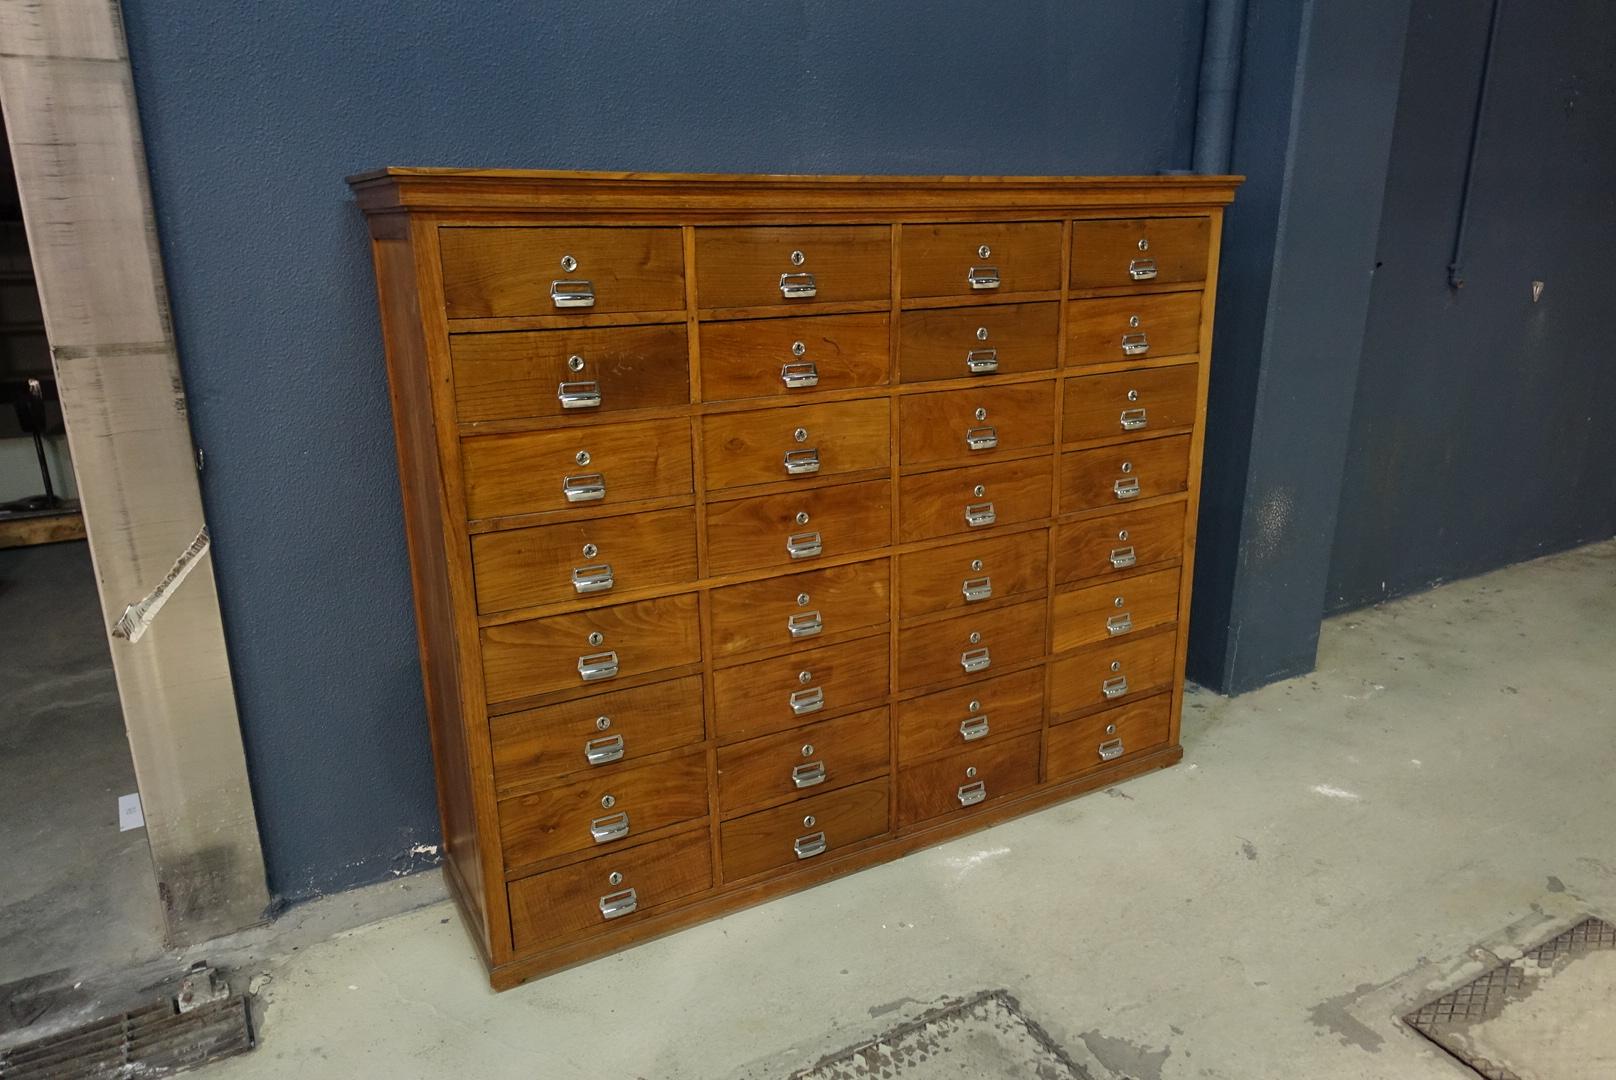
76 894
1333 850
81 931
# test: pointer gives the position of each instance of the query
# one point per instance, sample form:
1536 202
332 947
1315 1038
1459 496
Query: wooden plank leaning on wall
81 170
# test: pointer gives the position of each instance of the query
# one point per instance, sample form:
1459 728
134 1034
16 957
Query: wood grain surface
510 271
686 343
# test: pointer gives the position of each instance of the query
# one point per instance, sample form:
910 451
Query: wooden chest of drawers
764 528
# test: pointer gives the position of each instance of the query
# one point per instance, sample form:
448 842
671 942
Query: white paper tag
130 815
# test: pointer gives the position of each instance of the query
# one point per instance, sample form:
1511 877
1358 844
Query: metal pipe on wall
1221 46
1462 226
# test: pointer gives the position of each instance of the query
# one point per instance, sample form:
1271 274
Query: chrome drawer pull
1126 488
982 438
808 775
573 292
1119 624
978 515
972 793
1135 344
1134 419
808 846
804 624
804 545
579 395
605 750
982 361
976 589
973 660
1115 687
596 666
609 828
802 462
797 286
807 701
616 905
983 277
585 487
973 728
592 579
1110 749
1142 269
798 375
1123 557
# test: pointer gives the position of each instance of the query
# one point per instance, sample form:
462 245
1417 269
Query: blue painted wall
1313 135
253 113
1270 67
1482 432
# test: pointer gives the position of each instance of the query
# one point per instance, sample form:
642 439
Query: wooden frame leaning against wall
75 138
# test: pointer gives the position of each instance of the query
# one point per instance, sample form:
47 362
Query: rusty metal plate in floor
983 1036
151 1042
1551 1015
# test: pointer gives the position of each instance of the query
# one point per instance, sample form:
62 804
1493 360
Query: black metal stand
28 397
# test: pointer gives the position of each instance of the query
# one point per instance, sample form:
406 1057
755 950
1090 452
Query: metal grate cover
986 1035
1446 1020
153 1041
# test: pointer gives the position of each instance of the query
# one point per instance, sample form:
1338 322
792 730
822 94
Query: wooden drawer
995 339
603 733
541 655
1105 330
1114 544
586 898
569 818
771 266
770 696
963 782
766 696
1129 404
1117 475
981 258
1114 609
1139 251
534 471
980 712
553 564
787 836
748 358
962 575
1111 671
959 425
799 607
796 444
974 499
747 534
1110 737
803 762
500 271
945 651
571 373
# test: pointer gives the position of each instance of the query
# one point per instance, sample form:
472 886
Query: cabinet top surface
450 190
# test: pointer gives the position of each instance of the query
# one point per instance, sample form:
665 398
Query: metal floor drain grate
151 1042
1494 1024
986 1035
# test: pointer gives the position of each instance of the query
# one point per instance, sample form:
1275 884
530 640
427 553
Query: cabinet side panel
1209 303
409 387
